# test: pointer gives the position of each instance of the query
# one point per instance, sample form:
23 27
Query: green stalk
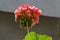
27 30
27 27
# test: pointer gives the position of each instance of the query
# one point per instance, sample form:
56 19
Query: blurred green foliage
35 36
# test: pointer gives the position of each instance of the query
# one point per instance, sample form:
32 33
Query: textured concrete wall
9 29
49 7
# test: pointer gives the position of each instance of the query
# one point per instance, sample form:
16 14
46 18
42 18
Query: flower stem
27 27
27 30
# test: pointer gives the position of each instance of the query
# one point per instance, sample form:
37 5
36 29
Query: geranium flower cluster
27 15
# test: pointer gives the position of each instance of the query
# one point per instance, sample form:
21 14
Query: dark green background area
10 30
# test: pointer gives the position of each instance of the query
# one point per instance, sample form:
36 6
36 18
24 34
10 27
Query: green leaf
35 36
30 36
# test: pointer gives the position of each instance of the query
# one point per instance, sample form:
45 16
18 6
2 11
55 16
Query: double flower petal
28 11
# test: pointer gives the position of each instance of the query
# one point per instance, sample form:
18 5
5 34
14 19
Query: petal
37 13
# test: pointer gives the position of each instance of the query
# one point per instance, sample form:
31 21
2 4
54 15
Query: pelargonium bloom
27 11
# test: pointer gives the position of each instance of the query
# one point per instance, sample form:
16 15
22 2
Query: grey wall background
48 7
10 30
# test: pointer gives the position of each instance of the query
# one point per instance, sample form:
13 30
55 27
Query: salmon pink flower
27 15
